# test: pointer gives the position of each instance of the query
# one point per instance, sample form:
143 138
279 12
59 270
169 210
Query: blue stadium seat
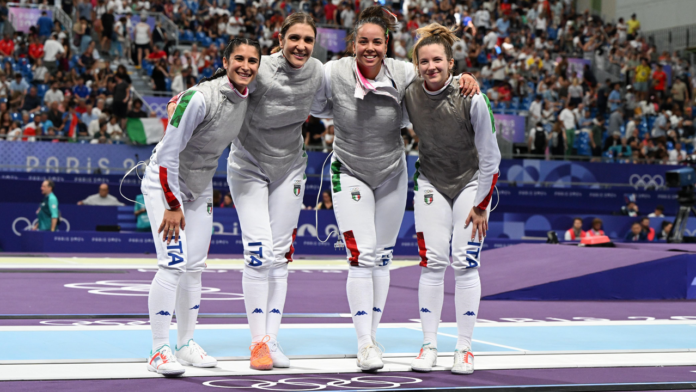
186 35
552 33
515 103
23 61
207 72
206 42
689 147
220 41
582 144
200 36
623 131
41 89
531 86
16 117
168 84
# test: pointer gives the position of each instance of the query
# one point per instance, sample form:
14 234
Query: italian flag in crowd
146 130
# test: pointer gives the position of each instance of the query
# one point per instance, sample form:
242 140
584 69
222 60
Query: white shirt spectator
51 50
460 50
482 18
490 40
53 96
347 17
568 118
498 74
535 112
234 25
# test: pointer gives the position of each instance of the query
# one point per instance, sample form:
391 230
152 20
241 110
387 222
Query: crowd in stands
588 87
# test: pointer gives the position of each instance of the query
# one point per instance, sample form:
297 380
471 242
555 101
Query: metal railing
676 38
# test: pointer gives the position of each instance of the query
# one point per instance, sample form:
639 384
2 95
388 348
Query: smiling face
242 66
297 44
434 66
370 47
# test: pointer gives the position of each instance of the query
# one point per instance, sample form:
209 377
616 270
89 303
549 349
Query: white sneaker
370 358
463 362
380 348
192 354
163 362
426 359
277 355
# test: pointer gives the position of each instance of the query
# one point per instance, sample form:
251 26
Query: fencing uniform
266 174
457 170
368 177
179 175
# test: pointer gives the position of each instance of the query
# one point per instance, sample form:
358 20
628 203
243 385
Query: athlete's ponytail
227 53
291 20
375 15
435 33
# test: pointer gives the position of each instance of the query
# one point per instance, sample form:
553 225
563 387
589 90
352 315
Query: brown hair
293 19
434 33
375 15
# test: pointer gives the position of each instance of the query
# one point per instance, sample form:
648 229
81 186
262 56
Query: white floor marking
346 365
475 340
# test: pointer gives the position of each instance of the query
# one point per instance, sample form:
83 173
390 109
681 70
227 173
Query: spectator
7 46
659 80
597 137
666 230
48 214
658 213
32 102
596 229
53 50
576 232
121 97
615 98
55 115
103 198
630 209
114 130
680 93
313 130
676 154
538 140
616 121
227 201
567 117
80 90
140 212
621 152
36 51
645 227
143 39
137 111
498 69
19 85
636 234
45 24
159 76
642 75
633 27
326 202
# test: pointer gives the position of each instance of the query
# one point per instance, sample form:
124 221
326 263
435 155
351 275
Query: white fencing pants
369 220
439 222
268 214
179 260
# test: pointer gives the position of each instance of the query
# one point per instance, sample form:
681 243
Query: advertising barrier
77 233
24 18
511 127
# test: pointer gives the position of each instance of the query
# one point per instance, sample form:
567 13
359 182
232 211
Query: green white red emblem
428 196
355 193
297 187
209 203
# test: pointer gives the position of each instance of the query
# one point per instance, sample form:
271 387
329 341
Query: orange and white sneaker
426 359
191 354
463 362
162 361
261 355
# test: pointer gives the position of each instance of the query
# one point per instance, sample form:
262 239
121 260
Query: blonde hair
435 33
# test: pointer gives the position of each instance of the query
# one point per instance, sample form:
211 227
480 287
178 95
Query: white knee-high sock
277 289
160 303
360 298
255 285
467 296
380 289
188 301
431 294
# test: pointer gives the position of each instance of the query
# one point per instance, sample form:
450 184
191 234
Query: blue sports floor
120 342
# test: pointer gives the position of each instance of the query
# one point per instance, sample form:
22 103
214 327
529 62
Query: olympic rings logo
30 225
646 181
314 383
141 288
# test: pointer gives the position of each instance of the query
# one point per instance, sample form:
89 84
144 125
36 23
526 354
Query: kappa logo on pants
355 193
